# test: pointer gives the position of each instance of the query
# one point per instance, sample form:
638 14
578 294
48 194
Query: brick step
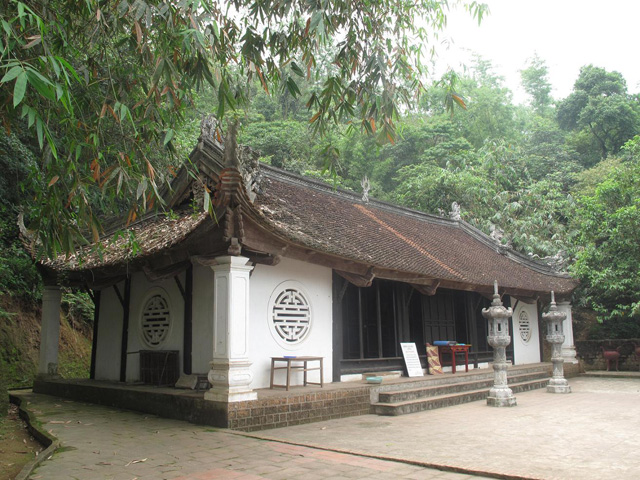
450 388
447 400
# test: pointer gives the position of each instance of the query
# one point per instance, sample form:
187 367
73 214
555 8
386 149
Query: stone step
447 400
462 377
450 388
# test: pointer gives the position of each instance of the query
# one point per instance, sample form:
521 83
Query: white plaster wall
528 352
109 335
316 281
202 319
140 291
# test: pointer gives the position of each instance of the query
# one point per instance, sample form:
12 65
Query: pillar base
230 397
569 354
558 385
502 397
230 380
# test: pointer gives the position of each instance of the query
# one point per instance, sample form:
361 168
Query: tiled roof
151 235
336 222
315 216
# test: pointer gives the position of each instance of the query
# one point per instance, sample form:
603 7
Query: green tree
547 154
608 222
535 81
600 106
490 113
103 86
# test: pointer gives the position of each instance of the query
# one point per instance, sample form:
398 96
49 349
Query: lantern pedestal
555 336
497 317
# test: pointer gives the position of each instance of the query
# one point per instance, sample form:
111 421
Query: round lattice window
156 320
290 314
524 326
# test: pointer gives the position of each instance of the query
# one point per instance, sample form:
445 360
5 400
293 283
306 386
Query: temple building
248 262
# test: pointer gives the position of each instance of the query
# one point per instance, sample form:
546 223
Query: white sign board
411 359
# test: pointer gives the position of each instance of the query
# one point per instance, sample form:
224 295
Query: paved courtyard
106 443
589 434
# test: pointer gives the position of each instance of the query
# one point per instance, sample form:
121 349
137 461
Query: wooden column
188 321
94 344
126 302
339 289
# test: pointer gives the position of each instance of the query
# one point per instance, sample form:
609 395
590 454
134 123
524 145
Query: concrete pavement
588 434
591 433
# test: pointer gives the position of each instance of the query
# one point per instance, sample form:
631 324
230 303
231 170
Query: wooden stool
304 367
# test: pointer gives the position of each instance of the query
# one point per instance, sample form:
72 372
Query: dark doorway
375 320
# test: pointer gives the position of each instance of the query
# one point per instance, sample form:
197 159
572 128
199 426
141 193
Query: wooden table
291 365
453 350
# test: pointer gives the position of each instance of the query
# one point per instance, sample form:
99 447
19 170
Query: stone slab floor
106 443
591 433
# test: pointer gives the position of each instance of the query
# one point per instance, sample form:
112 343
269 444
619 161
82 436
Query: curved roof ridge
350 195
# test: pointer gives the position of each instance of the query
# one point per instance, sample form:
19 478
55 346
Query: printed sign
411 359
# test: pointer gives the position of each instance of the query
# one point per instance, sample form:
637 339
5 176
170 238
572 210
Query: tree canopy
600 106
103 85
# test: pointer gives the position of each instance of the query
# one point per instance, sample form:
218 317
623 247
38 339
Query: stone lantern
555 336
497 317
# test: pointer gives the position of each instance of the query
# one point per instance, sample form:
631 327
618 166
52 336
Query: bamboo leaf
11 74
19 89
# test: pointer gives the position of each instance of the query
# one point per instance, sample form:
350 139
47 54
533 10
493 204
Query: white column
50 331
230 375
568 348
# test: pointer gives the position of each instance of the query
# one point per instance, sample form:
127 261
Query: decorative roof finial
366 186
231 145
454 214
496 294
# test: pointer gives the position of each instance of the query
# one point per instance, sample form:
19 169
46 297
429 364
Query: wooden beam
155 274
103 283
427 289
270 260
207 260
119 295
358 280
180 287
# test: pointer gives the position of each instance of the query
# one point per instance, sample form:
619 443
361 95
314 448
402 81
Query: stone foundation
297 409
270 412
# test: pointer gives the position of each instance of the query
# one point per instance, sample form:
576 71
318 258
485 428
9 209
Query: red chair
610 355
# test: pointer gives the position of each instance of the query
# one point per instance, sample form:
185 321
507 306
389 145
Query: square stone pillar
230 375
568 348
50 331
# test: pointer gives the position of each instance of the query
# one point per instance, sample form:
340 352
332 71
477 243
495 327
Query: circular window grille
291 316
525 327
155 321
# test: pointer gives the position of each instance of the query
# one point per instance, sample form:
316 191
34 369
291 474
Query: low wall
590 353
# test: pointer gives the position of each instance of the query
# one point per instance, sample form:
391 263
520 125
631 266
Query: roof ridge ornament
455 213
231 146
210 130
366 186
